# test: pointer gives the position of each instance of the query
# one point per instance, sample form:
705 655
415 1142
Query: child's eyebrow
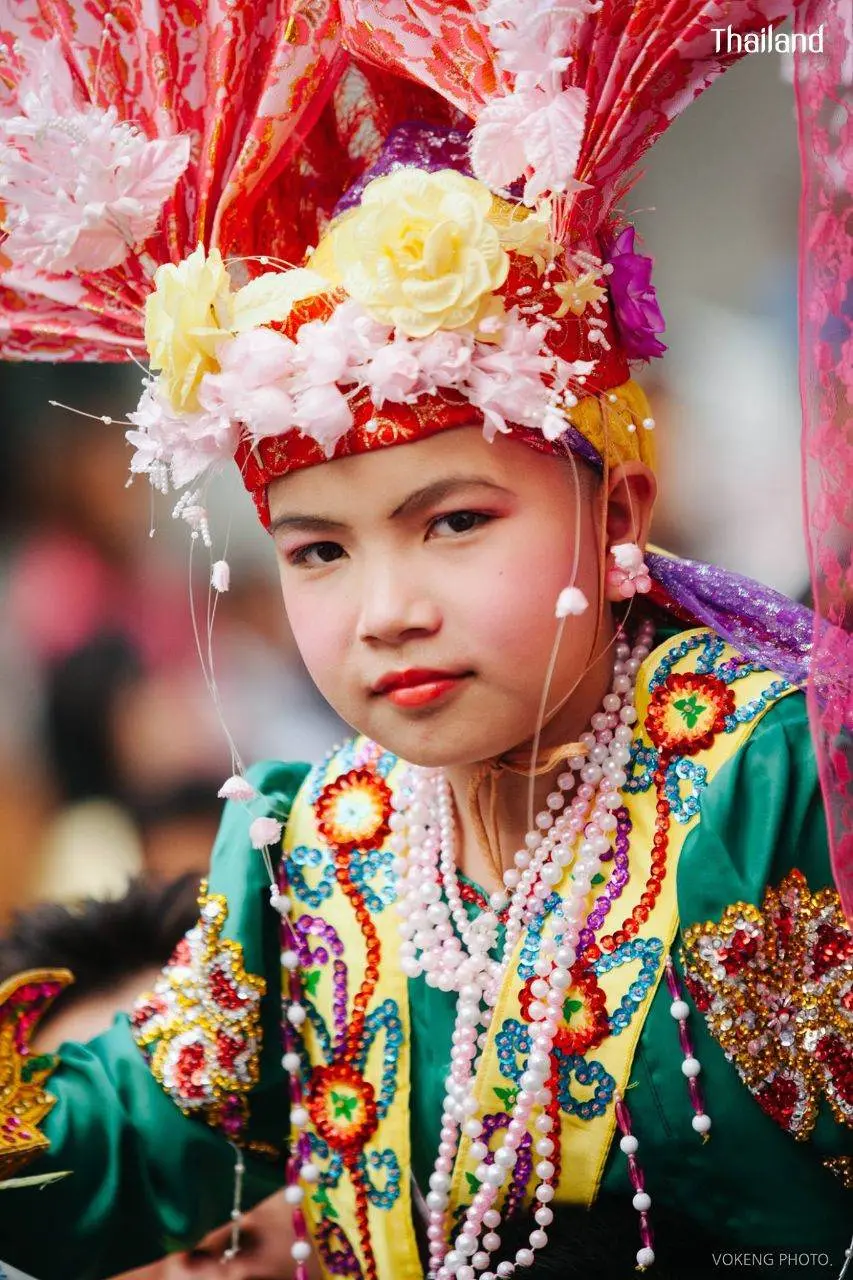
309 524
440 489
416 501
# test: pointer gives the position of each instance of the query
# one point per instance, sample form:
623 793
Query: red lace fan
640 65
278 120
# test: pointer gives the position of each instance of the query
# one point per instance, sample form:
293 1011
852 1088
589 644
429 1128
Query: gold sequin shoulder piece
775 985
24 1103
200 1028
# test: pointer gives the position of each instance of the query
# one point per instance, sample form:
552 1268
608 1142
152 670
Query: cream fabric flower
186 316
192 310
420 252
528 233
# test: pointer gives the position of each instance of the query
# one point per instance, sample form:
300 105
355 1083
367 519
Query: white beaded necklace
453 954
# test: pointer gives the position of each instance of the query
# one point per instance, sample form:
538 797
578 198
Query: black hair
101 942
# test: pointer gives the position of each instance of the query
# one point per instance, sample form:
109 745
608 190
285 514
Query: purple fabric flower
635 305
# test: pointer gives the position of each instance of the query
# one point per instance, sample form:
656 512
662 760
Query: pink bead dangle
301 1247
642 1201
630 573
690 1066
300 1168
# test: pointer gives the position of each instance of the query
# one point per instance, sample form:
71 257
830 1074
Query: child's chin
440 748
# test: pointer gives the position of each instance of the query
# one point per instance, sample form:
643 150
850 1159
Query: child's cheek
502 601
318 633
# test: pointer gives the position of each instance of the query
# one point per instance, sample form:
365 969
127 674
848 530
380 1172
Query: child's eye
327 553
462 521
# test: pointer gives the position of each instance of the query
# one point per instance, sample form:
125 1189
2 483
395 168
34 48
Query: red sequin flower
585 1023
353 811
342 1106
687 712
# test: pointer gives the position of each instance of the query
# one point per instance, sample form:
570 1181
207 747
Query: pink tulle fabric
824 89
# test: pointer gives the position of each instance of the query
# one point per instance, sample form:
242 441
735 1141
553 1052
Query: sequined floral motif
23 1101
584 1023
776 987
200 1027
353 810
342 1106
687 711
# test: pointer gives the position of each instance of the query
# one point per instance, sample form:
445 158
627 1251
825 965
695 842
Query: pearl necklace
453 954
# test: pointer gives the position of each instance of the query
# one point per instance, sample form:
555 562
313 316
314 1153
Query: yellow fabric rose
186 316
419 252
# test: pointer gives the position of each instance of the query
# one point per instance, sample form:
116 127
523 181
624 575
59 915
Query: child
562 909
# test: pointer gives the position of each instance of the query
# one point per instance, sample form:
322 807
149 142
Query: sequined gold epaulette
200 1027
776 987
23 1102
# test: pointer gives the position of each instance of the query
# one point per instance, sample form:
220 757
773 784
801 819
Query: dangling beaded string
642 1200
236 1204
691 1067
423 838
560 979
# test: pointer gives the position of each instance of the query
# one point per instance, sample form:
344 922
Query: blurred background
111 751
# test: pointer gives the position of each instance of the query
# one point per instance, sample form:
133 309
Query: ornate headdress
248 204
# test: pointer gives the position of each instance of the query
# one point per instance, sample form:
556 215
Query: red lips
414 676
419 686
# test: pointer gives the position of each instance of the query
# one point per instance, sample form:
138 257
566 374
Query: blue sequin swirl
648 951
304 856
382 1197
683 769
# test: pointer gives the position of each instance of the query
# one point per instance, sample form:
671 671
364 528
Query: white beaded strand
453 954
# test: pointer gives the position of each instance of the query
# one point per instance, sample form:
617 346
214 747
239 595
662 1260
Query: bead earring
630 573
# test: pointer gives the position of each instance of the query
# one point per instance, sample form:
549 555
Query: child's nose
394 607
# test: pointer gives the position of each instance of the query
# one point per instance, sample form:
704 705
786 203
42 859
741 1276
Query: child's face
448 556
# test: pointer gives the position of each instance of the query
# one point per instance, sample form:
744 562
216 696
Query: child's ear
630 500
